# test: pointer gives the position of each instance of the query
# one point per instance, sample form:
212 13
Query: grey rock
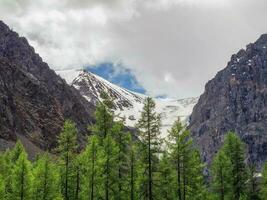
34 101
235 100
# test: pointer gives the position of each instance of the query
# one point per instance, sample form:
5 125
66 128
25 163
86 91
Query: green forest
117 164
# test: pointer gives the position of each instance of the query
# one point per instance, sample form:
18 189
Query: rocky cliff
235 100
34 101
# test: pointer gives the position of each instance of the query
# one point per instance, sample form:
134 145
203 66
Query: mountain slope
34 100
235 100
128 104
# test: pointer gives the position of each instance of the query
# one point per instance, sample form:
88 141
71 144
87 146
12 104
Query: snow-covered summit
128 104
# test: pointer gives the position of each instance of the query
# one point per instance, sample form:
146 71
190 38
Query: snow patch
130 104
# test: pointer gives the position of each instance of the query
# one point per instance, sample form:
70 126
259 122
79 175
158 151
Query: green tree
107 100
186 161
234 150
7 163
165 179
253 189
106 129
263 190
179 145
133 169
14 154
110 159
122 140
21 179
4 175
92 169
68 149
46 179
221 176
2 188
77 177
104 117
149 128
197 189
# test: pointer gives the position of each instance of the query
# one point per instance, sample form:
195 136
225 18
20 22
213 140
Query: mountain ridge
235 100
128 104
34 100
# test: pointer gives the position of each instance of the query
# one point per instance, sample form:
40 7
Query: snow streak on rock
128 105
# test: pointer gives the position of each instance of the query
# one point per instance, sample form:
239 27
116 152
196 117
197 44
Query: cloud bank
173 47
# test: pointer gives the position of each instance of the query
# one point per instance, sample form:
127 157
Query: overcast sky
173 47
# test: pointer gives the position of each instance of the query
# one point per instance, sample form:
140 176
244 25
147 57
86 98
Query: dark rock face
235 100
34 101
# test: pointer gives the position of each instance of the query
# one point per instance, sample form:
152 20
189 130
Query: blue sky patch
117 75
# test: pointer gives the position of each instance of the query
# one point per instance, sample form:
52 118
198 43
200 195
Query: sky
122 77
166 47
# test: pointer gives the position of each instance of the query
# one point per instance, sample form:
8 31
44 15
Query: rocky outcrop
34 101
235 100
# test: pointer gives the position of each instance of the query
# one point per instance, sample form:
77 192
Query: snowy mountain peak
128 105
91 86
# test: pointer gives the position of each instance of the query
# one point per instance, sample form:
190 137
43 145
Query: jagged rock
235 100
34 101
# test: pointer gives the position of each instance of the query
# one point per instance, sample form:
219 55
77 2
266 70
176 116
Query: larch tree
234 150
104 127
263 190
16 151
110 161
104 117
122 140
8 161
221 176
165 179
133 169
2 187
187 164
77 168
253 190
46 179
22 179
149 129
5 172
178 144
67 149
92 169
197 189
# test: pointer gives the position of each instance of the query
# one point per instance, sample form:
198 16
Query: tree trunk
22 183
120 173
45 181
77 183
107 173
184 182
93 173
149 158
179 172
67 173
132 176
222 184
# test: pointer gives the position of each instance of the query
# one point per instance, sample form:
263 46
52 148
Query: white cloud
172 46
166 4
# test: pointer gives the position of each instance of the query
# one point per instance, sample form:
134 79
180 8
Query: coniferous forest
116 164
